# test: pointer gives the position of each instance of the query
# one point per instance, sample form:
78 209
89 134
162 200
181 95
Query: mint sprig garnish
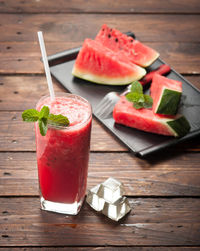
137 97
58 119
44 117
148 101
136 87
43 126
30 115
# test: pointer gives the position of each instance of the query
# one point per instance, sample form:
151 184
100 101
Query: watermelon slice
144 119
121 44
99 64
166 94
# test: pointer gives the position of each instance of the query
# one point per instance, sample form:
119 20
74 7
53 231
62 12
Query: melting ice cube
111 190
94 200
117 210
108 198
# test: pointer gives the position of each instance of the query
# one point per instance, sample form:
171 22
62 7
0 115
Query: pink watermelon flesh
166 94
144 119
99 64
122 44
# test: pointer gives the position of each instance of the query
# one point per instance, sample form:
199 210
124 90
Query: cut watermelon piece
144 119
166 94
99 64
121 44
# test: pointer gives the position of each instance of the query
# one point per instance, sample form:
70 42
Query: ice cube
108 198
94 200
111 190
116 210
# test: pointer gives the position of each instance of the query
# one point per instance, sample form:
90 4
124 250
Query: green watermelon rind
168 102
179 126
146 120
106 80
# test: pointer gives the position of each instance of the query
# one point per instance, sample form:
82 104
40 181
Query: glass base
63 208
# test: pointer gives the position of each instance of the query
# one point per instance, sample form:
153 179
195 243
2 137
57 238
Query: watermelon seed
116 40
109 36
131 40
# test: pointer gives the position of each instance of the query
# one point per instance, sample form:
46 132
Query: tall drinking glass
63 154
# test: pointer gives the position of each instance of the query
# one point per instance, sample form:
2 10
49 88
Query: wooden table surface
163 190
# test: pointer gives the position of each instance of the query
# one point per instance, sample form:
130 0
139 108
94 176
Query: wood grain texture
24 57
99 248
101 6
144 210
75 28
163 190
147 224
171 174
16 135
18 93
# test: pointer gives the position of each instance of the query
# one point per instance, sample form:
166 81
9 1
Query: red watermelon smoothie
63 154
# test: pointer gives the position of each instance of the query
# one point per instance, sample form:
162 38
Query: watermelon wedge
166 94
144 119
99 64
121 44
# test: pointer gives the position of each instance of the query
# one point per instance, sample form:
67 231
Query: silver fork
106 105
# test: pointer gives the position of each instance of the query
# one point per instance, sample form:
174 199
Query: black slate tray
139 142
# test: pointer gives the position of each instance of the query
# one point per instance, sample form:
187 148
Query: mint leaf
137 87
135 97
148 101
58 120
138 105
43 126
44 112
30 115
43 117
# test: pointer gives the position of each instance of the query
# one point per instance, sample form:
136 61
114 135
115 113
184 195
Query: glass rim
71 95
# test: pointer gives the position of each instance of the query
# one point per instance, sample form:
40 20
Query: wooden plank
22 92
110 248
195 80
16 135
24 57
101 6
144 210
147 224
75 28
171 174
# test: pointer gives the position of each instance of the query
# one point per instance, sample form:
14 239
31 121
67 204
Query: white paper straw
46 64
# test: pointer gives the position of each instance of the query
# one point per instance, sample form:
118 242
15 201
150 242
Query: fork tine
103 102
105 107
108 111
101 105
104 110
